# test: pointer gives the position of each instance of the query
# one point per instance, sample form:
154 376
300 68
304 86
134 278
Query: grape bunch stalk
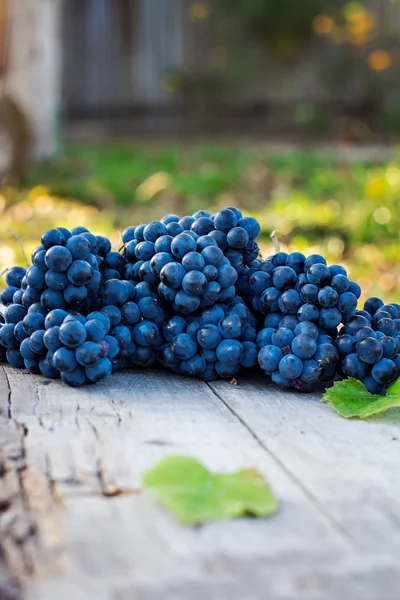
191 294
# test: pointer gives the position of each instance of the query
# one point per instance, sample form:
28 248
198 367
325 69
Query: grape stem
275 241
15 234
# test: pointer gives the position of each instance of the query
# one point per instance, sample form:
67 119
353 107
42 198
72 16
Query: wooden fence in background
118 53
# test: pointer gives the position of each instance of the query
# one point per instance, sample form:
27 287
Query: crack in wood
9 412
321 508
119 419
107 489
30 538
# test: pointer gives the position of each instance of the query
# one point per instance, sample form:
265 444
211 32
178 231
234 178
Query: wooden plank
348 467
91 447
96 442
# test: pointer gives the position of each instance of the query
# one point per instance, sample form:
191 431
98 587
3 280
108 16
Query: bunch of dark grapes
65 272
12 294
368 345
304 302
60 344
291 284
192 295
136 318
215 343
130 330
297 354
193 261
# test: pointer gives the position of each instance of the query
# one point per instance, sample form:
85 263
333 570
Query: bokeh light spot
382 215
199 11
323 24
380 60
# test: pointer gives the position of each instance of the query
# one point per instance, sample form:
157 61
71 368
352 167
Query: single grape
212 255
284 278
15 313
309 293
296 261
372 386
345 344
384 372
290 367
337 270
311 371
279 380
230 352
237 237
250 354
185 304
282 337
15 358
172 275
183 346
194 283
304 346
251 226
75 378
225 220
227 276
231 325
114 292
289 302
329 318
318 274
95 330
209 337
390 346
202 225
386 326
36 342
369 350
72 334
269 299
312 260
78 246
289 321
269 358
352 366
194 366
145 333
340 283
308 312
328 297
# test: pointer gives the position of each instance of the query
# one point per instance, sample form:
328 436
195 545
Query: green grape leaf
195 495
351 399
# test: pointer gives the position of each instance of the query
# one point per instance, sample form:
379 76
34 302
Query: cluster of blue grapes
126 332
296 354
291 284
215 343
136 318
65 271
304 302
368 345
59 344
194 261
192 295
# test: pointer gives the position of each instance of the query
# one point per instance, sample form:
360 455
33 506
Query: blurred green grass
350 211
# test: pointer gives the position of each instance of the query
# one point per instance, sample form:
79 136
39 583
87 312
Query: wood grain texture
349 467
98 537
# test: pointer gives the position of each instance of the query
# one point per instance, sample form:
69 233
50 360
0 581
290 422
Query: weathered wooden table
75 526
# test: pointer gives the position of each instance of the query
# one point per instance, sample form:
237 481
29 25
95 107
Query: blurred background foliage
349 210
